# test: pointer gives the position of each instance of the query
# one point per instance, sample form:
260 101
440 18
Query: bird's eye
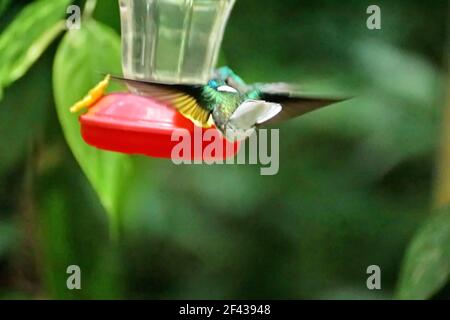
213 84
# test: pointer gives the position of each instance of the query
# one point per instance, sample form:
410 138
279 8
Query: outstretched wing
187 99
293 104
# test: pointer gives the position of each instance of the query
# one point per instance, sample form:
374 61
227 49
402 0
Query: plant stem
442 189
89 9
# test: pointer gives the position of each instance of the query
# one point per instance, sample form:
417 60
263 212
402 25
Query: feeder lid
134 124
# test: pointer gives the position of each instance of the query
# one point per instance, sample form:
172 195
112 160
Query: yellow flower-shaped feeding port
92 97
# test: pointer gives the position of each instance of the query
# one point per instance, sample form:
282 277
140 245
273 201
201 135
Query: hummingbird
235 108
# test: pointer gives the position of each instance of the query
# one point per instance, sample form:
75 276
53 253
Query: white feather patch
227 89
253 112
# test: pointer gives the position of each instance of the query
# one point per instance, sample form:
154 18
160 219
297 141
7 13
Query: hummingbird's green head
220 85
230 78
215 83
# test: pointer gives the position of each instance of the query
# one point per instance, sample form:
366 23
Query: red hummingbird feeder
134 124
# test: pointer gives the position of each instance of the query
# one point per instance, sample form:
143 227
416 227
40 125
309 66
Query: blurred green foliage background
356 181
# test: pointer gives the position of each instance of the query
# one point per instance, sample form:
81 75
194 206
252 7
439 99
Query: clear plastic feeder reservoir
175 41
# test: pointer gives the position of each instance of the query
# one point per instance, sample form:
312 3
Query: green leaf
426 266
80 59
27 37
